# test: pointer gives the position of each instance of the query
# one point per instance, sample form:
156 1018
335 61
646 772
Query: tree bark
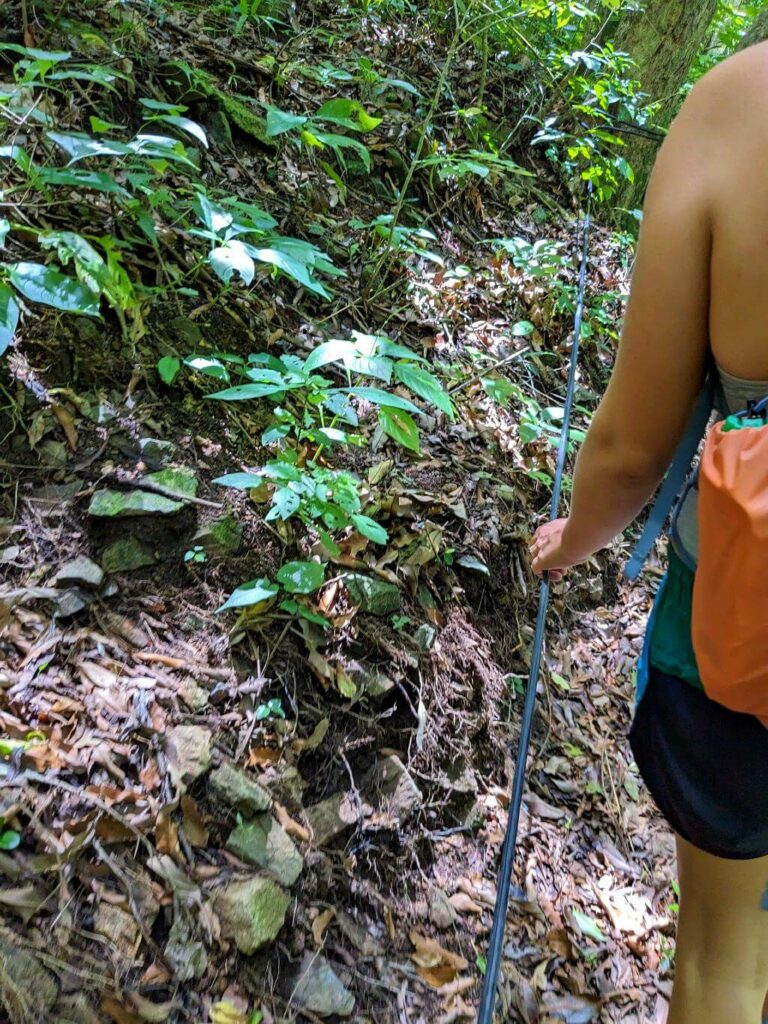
757 31
662 40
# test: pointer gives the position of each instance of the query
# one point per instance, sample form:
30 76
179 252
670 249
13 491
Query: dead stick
166 492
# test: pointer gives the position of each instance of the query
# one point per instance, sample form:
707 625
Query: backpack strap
676 475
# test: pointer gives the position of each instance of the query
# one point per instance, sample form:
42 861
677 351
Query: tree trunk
757 31
662 40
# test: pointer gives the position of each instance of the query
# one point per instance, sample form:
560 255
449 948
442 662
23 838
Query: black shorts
705 766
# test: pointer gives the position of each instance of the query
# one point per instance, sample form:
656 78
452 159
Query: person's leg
721 958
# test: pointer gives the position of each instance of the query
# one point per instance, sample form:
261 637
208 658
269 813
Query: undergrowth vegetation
286 296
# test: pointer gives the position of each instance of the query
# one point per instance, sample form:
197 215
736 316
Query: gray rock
252 912
188 749
425 636
185 953
234 788
372 595
155 449
108 504
358 935
264 843
317 988
441 912
393 790
73 600
331 817
81 571
376 685
221 536
112 504
126 556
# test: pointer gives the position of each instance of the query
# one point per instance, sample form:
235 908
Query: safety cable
488 996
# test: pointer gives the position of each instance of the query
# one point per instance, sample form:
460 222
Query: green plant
407 240
310 404
197 554
149 184
310 131
475 163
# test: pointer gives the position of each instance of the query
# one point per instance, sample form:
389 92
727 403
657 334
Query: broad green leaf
161 147
624 168
244 392
226 259
395 351
39 283
284 503
9 839
163 108
294 608
426 386
588 926
79 178
329 543
9 316
349 114
78 145
53 56
499 389
339 143
340 406
187 125
401 428
249 215
281 121
382 398
208 366
290 266
301 577
98 125
522 329
370 528
241 481
215 217
334 351
251 593
168 368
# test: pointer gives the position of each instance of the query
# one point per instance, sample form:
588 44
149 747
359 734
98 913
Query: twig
166 492
491 369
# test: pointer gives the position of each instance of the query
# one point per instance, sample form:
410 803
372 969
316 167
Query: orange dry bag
730 590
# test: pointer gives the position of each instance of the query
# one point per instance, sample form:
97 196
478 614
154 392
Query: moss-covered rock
252 912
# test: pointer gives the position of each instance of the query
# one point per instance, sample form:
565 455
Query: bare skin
700 281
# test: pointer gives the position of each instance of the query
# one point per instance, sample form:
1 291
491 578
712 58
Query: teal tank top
671 647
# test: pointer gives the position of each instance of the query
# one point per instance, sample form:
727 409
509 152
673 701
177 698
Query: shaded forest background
286 300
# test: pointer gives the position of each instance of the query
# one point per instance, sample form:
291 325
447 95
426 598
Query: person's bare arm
662 353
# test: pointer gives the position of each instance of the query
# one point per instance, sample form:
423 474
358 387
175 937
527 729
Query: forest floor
154 753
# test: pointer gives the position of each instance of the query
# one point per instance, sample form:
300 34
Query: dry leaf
320 924
194 826
227 1013
66 422
464 904
435 964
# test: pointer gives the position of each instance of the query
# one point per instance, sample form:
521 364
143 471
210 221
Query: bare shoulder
731 94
